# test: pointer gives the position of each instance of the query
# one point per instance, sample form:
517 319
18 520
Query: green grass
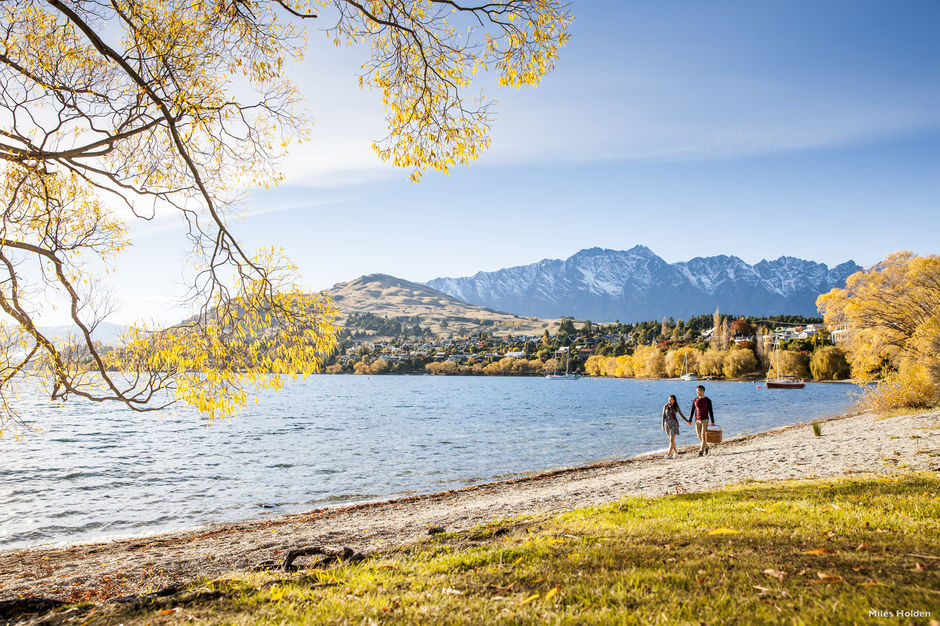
801 552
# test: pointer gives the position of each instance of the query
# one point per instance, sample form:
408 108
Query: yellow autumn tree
121 110
682 360
888 321
649 362
711 363
595 365
738 363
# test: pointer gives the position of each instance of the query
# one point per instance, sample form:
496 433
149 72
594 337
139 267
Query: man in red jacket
702 413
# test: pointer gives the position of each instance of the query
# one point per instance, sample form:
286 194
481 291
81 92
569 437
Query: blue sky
756 129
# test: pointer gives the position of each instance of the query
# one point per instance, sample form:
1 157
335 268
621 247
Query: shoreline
492 481
854 443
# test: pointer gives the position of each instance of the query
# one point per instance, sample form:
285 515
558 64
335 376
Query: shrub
649 362
738 363
792 364
910 387
829 363
711 363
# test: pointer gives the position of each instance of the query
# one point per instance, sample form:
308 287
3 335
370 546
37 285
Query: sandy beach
852 444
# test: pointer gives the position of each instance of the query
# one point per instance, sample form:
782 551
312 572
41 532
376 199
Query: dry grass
801 552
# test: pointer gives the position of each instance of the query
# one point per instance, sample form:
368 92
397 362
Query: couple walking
701 412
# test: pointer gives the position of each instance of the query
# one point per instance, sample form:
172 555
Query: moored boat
566 376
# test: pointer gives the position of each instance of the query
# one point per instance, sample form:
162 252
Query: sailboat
686 374
566 376
780 382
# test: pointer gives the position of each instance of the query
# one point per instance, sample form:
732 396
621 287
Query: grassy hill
395 298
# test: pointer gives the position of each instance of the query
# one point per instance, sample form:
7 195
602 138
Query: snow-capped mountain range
636 284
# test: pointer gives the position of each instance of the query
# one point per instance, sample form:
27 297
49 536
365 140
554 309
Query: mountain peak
636 284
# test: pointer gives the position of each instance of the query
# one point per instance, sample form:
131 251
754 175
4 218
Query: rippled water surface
99 471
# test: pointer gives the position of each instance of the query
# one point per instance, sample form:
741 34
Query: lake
100 471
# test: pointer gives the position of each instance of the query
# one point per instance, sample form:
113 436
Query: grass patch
900 412
799 552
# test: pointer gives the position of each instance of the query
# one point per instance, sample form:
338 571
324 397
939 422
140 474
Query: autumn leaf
724 531
506 588
529 599
775 573
551 592
824 579
820 551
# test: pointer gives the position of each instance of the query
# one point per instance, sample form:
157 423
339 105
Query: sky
757 129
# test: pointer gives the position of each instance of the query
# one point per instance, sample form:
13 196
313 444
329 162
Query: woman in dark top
671 424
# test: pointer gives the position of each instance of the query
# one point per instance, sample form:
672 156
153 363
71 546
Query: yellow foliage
828 363
890 316
682 360
649 362
738 363
622 366
595 365
711 363
170 106
791 365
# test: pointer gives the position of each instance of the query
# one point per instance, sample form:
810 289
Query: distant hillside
106 332
636 284
397 299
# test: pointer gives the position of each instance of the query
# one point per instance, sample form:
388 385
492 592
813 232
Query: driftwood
329 554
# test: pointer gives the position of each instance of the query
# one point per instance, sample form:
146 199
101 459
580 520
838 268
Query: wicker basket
713 434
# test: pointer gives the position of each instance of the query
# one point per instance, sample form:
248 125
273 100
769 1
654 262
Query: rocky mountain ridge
636 284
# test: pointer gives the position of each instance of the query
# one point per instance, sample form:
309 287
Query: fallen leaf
724 531
506 588
820 551
529 599
761 589
552 591
862 546
539 580
387 566
775 573
517 561
918 567
825 578
168 611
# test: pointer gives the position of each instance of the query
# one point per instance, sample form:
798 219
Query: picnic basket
713 434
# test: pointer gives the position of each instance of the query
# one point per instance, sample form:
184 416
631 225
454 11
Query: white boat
780 382
566 376
686 374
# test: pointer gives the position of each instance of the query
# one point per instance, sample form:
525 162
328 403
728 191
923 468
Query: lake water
101 471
